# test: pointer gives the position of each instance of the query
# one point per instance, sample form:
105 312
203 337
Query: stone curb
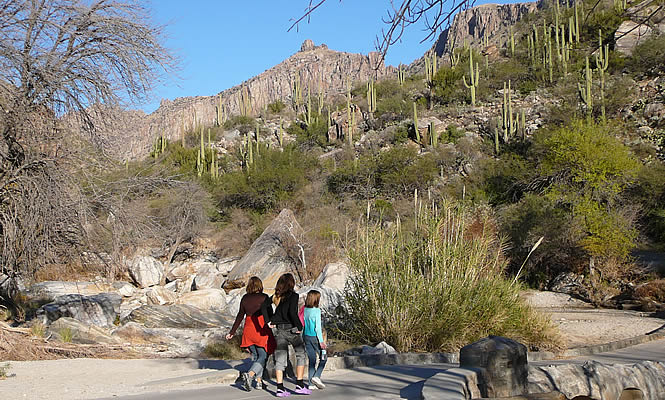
596 348
453 384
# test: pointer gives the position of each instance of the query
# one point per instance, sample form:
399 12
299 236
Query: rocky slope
486 21
132 136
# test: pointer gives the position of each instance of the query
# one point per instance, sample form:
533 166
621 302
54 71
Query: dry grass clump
226 350
654 290
19 344
438 286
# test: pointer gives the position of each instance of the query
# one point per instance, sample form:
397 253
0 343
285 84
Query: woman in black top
287 329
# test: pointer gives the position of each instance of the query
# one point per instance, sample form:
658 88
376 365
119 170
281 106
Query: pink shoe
283 393
302 390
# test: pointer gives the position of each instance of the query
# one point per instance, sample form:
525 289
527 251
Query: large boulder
159 295
177 316
502 364
205 299
275 252
146 271
209 278
330 284
70 329
101 309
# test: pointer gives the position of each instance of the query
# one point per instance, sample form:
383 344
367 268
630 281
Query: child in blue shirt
313 337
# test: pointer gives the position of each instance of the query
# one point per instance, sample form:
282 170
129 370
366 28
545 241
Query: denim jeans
259 356
313 349
284 338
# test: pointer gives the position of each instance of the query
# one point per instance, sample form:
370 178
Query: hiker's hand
229 336
324 345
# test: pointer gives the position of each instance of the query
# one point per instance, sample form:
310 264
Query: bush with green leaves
274 176
276 107
647 58
393 98
240 122
438 286
395 172
312 135
447 85
574 196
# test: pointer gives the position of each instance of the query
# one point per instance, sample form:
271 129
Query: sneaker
283 393
317 382
312 387
261 385
302 390
246 382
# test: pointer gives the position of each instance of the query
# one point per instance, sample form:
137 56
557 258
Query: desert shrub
647 58
312 135
574 197
448 85
391 173
66 335
391 98
276 107
226 350
240 122
649 192
274 176
437 287
4 370
531 218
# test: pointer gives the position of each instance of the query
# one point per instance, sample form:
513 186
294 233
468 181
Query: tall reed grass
437 285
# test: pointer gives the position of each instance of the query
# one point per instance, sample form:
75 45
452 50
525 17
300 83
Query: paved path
387 382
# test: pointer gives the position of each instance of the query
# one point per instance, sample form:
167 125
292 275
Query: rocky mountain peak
486 21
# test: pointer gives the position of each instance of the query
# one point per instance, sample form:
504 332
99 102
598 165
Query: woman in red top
256 336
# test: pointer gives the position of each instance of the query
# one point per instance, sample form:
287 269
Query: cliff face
491 21
312 64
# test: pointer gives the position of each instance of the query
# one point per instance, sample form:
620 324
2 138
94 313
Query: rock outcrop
491 21
146 271
275 252
177 316
646 19
100 309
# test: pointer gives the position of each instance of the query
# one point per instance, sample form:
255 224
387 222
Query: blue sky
222 43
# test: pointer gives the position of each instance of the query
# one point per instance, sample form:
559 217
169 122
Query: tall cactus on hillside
473 78
296 92
371 97
415 122
602 62
509 122
512 42
433 135
585 92
349 128
400 75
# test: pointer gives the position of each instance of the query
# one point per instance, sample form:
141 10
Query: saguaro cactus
415 122
602 62
585 92
473 79
400 75
371 97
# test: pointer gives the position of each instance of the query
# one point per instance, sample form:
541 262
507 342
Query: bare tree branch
434 15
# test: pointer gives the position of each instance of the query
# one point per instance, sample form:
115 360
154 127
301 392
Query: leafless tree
62 58
433 14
